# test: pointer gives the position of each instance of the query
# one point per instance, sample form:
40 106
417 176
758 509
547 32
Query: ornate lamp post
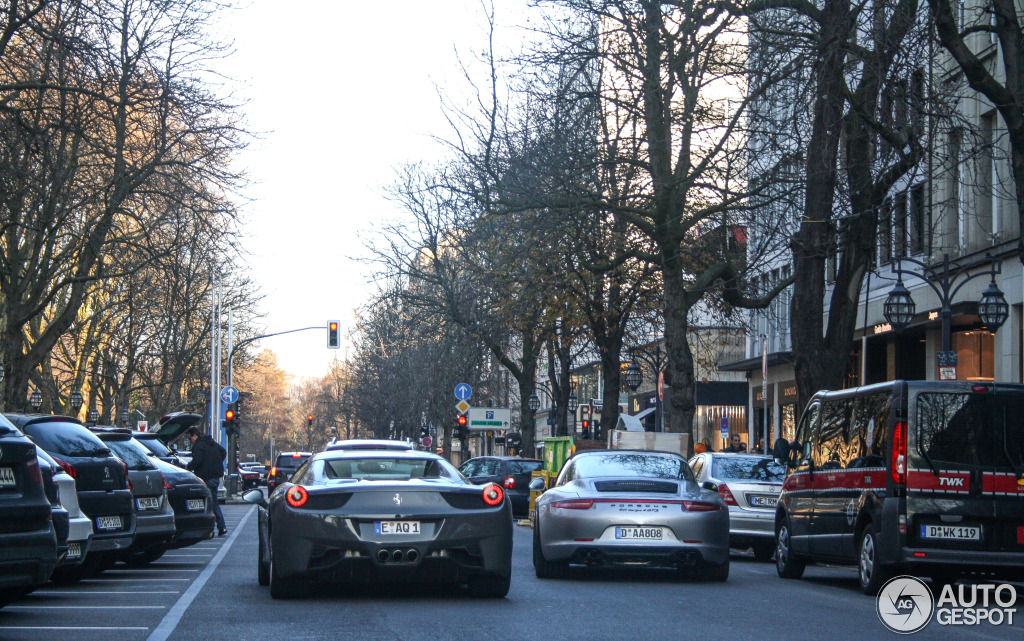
656 359
36 400
76 401
94 415
993 309
124 417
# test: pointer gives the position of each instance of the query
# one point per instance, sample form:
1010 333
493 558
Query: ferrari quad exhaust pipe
383 556
397 556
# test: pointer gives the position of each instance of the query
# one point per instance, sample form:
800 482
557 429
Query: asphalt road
209 592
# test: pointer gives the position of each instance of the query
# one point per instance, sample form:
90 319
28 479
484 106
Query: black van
921 477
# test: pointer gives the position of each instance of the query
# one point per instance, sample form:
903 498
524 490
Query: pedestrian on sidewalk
208 464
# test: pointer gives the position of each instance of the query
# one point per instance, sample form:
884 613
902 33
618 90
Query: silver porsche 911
383 515
626 507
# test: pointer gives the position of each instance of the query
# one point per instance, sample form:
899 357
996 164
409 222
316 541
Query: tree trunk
679 379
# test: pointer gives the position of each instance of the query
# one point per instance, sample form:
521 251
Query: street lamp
36 400
656 359
993 310
94 415
76 401
124 416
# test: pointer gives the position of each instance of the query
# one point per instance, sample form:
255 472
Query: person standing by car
208 464
735 444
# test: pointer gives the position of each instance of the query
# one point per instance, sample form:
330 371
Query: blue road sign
229 394
463 391
725 427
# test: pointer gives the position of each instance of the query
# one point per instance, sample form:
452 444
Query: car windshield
66 439
133 454
637 464
381 469
156 446
747 468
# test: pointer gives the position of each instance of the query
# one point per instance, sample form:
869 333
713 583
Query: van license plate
108 522
396 527
763 501
196 505
951 532
148 503
642 533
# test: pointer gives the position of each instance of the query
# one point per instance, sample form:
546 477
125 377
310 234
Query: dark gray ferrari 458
385 516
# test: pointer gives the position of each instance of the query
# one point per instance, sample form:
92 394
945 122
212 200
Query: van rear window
974 430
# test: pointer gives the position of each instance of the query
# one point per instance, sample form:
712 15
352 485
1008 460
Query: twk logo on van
945 481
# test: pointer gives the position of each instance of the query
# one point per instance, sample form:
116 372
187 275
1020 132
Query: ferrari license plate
396 527
640 533
74 550
196 505
951 532
760 500
148 503
108 523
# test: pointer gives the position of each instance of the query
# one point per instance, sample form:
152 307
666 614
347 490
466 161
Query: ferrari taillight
296 496
493 494
510 483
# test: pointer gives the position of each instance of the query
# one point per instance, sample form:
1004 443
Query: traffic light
333 335
461 432
597 429
230 422
309 421
586 428
424 431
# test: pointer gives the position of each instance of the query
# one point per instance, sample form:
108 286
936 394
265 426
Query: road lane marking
16 606
170 621
78 592
66 627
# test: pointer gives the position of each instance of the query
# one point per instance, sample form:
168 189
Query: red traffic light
333 335
229 415
462 421
586 424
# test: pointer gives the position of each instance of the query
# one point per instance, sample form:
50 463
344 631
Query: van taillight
899 453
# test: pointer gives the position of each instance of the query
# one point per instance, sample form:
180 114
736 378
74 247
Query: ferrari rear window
386 469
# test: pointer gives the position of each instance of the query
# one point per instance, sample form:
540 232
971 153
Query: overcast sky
345 92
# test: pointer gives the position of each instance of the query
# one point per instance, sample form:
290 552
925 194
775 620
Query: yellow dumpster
557 450
534 493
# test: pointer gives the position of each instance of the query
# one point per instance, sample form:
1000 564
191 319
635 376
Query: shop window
975 355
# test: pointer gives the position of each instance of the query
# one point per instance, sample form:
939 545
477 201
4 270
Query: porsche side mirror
537 484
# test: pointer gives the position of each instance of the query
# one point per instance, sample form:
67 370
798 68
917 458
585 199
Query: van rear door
966 460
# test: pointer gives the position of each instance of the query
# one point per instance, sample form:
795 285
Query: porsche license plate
396 527
760 500
7 477
108 523
196 505
74 550
148 503
951 532
640 533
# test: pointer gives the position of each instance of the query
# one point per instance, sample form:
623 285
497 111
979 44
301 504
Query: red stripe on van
851 478
954 482
1001 483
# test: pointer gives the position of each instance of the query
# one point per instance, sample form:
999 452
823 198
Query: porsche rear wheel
490 586
546 569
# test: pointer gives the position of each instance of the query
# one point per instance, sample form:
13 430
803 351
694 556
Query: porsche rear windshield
633 464
982 430
377 469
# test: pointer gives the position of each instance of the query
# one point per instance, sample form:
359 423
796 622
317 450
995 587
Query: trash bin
535 492
557 450
232 486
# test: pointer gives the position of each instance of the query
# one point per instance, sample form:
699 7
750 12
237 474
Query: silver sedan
750 484
627 507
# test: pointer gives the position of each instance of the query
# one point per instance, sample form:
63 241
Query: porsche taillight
493 494
701 506
574 504
296 496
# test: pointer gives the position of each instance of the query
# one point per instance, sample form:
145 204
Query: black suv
101 480
287 463
154 517
28 545
511 473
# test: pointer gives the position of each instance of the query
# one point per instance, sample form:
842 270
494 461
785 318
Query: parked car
513 474
79 525
152 442
250 478
910 477
284 467
171 428
101 481
28 544
630 507
750 485
368 444
192 504
154 517
368 515
59 515
260 469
